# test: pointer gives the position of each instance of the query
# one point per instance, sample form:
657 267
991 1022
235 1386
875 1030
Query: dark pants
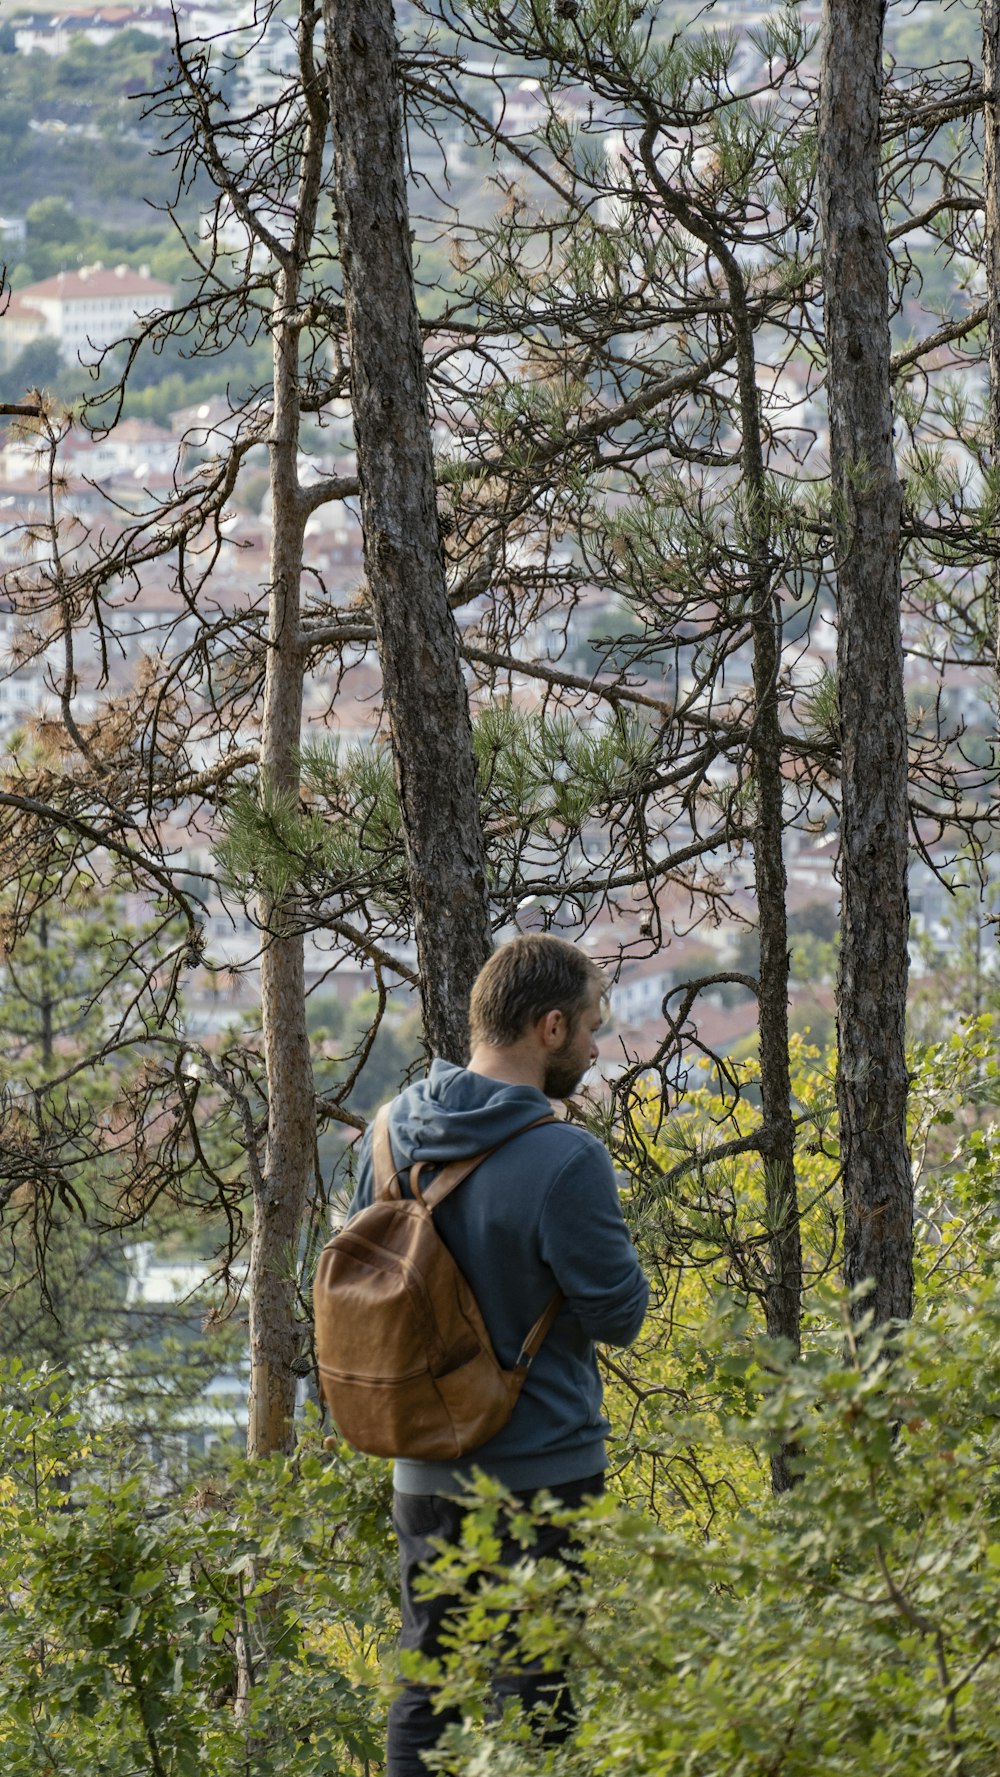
424 1519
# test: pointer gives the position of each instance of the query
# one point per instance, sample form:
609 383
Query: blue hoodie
541 1214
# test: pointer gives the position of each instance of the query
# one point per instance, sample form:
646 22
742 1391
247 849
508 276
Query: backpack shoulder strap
456 1172
386 1186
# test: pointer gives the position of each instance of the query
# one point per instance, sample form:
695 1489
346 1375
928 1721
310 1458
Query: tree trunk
45 996
281 1193
425 697
783 1300
871 1013
991 254
281 1189
783 1289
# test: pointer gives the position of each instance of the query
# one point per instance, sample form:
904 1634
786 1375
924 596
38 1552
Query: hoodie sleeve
587 1246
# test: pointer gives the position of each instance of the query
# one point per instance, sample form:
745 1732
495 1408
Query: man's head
543 991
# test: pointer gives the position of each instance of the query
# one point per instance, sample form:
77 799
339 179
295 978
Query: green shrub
121 1609
851 1627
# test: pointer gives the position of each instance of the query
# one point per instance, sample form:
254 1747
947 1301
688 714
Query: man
540 1215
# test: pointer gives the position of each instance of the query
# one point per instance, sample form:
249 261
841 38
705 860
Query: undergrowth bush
851 1626
121 1607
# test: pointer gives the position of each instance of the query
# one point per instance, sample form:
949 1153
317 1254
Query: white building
52 33
83 310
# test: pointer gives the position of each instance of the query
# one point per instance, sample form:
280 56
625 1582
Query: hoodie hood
453 1114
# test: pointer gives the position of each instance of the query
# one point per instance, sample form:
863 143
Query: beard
563 1076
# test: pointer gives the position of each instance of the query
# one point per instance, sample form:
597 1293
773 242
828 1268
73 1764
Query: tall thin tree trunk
281 1194
783 1290
45 1007
871 1012
991 254
783 1300
281 1189
425 696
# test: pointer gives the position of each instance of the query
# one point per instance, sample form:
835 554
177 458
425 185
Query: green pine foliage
544 779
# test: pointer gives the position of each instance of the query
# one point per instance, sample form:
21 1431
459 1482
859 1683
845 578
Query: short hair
525 979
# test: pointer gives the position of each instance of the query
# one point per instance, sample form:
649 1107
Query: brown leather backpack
405 1361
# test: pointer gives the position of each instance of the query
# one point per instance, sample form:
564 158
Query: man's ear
551 1028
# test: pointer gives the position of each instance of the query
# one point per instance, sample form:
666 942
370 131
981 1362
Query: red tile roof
94 280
